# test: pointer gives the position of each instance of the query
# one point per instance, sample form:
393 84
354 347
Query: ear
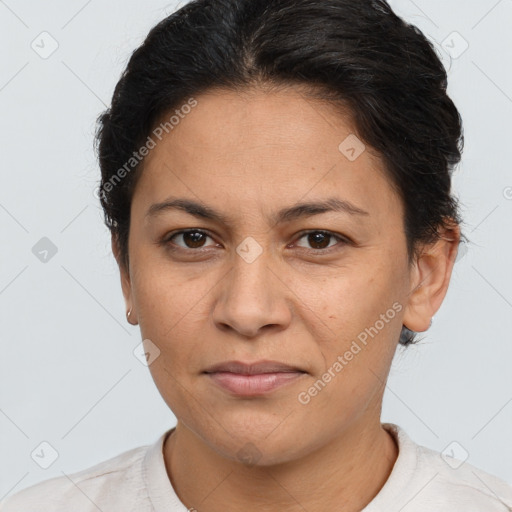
430 278
126 284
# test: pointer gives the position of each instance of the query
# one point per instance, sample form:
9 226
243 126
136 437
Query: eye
320 240
192 238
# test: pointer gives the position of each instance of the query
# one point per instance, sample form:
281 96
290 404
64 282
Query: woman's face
249 285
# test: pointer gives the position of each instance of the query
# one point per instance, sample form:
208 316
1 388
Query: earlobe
126 285
430 278
129 319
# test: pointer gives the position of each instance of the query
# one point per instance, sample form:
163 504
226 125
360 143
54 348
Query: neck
345 474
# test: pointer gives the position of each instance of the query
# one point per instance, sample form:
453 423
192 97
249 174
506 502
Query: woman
276 176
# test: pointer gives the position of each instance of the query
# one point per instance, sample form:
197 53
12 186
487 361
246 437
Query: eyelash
344 240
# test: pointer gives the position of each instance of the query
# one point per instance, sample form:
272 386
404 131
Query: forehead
257 147
227 122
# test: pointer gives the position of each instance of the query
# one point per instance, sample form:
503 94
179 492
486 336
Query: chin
263 440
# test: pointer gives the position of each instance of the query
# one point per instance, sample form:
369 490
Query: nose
252 298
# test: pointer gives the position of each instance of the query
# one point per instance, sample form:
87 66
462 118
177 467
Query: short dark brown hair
355 54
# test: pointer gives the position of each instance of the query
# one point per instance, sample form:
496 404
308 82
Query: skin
248 155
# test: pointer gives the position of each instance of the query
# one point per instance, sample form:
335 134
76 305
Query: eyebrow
307 209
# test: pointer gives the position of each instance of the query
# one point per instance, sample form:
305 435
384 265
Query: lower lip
251 385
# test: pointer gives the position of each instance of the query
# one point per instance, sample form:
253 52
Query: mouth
252 379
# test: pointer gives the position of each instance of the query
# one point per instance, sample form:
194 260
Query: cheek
175 390
168 316
360 321
164 295
347 299
355 364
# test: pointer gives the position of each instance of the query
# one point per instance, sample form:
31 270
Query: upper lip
252 368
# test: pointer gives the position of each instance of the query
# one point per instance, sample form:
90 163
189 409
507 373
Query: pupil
195 237
315 238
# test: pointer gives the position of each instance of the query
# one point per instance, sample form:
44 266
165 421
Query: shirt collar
164 499
160 490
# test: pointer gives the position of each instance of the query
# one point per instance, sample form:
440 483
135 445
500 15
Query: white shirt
136 481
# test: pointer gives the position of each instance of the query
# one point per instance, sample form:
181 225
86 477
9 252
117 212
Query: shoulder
442 483
466 484
95 487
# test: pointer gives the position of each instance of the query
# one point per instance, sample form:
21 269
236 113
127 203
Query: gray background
68 376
